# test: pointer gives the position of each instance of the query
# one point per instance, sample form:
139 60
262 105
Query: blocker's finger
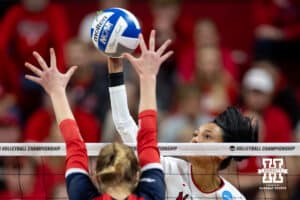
33 78
163 47
34 69
40 60
52 58
71 71
166 56
132 60
152 41
142 43
129 57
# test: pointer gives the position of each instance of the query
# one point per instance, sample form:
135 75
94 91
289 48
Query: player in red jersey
117 168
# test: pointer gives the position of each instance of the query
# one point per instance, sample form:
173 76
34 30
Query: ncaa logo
272 170
226 195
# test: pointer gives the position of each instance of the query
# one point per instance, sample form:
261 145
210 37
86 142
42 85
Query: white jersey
181 185
179 181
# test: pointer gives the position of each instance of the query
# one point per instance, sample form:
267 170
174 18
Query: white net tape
41 166
166 149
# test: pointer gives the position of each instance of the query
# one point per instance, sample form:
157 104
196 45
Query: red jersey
286 17
23 32
79 185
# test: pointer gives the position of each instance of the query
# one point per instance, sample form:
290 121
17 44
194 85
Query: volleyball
115 31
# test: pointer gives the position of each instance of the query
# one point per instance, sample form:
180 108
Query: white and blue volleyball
115 31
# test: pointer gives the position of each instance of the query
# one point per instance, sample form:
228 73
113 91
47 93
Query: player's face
209 132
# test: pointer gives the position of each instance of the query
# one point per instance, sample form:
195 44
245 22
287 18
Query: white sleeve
122 119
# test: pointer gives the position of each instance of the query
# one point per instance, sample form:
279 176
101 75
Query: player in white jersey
198 178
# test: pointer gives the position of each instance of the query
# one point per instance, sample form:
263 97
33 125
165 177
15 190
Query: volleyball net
271 170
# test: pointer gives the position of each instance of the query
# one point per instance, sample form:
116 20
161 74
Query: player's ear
136 178
138 175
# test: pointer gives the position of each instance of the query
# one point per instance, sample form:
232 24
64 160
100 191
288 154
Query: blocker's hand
49 78
148 64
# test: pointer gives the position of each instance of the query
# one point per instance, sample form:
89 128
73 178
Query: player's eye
207 136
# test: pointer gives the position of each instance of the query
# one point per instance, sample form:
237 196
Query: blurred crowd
204 76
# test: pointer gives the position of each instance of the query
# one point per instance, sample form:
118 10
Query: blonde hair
116 164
